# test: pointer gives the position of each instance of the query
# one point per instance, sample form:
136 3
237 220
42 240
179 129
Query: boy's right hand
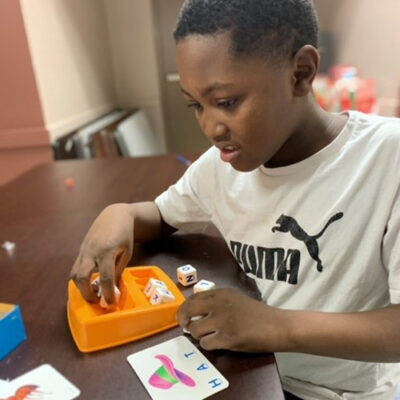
107 247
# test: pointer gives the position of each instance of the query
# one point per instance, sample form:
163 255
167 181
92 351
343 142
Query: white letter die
203 285
187 275
152 284
161 295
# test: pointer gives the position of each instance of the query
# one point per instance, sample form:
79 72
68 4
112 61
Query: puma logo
286 224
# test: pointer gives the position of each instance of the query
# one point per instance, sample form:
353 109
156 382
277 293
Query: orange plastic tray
94 328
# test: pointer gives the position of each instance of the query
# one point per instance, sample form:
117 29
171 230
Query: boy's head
246 68
271 29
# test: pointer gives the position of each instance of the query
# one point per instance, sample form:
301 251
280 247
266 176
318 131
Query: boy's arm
234 321
366 336
108 245
149 224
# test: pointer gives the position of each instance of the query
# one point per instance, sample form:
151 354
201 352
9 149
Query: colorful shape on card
167 375
25 392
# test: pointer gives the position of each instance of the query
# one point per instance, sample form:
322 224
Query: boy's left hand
233 321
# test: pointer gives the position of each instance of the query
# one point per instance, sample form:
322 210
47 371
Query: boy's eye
227 103
196 106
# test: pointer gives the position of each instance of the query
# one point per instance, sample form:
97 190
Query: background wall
24 140
70 52
134 58
367 35
91 56
65 63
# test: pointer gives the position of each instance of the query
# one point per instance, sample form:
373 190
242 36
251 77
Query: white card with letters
44 383
177 370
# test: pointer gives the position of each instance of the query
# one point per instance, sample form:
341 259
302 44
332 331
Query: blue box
12 329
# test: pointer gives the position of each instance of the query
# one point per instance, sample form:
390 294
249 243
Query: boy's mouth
229 153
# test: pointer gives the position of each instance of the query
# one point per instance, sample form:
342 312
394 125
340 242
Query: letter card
177 370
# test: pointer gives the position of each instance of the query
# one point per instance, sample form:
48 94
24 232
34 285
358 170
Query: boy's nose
221 130
221 133
217 131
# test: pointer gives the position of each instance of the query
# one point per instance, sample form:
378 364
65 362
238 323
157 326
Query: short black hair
273 29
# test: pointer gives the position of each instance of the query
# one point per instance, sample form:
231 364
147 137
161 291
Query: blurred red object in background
342 89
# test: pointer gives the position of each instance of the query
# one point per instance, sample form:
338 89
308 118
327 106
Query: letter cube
152 284
203 285
161 295
187 275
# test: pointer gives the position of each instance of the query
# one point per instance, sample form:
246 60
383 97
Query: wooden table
48 221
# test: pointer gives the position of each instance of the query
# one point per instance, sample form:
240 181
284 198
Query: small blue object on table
12 329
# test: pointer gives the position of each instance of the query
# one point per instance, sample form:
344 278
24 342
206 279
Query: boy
307 201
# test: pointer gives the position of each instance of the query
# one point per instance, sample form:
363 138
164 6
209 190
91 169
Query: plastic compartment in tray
94 328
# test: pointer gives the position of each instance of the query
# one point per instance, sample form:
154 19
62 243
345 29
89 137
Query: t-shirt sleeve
391 250
188 204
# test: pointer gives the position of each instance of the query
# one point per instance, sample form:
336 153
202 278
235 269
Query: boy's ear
305 67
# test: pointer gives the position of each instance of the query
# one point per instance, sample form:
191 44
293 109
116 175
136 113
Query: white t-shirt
321 234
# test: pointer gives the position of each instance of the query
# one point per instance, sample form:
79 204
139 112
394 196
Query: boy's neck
316 129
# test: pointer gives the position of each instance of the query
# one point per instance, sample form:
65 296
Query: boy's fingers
121 262
194 306
211 342
106 265
80 274
201 326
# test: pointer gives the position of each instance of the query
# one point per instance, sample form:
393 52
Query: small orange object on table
94 328
69 183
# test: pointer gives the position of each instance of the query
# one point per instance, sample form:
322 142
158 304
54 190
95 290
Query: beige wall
69 47
134 58
368 36
24 140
